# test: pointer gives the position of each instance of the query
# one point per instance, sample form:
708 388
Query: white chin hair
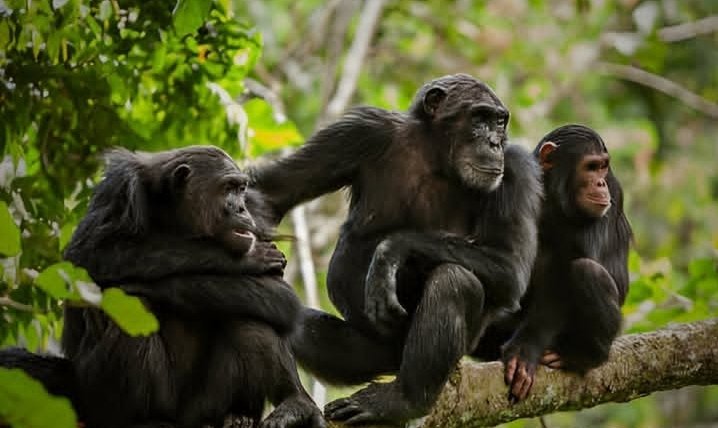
480 181
251 246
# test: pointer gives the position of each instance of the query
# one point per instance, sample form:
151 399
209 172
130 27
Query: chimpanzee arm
501 255
265 298
543 317
328 161
156 255
617 244
496 268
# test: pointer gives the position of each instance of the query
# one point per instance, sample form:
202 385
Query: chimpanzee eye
235 186
501 121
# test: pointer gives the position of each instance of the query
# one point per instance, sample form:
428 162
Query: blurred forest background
257 77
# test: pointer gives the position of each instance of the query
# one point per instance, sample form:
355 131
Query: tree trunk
639 364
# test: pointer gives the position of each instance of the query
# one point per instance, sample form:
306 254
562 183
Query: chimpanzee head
194 191
468 122
577 173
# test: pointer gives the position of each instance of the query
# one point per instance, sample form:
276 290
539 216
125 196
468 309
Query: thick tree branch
639 364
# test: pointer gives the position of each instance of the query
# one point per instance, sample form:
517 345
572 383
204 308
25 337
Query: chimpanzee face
471 117
213 192
478 154
593 197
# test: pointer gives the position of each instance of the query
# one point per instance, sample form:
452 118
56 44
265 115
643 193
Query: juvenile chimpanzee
181 230
571 312
440 237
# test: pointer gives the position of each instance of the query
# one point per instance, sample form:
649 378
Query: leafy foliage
80 76
21 397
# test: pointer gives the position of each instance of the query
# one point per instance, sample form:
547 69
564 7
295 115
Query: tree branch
352 65
689 30
639 364
662 84
8 302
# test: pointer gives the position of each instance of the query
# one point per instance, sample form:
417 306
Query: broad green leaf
66 232
56 280
10 242
129 312
189 15
24 403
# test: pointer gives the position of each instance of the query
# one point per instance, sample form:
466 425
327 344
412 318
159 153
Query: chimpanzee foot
295 412
377 403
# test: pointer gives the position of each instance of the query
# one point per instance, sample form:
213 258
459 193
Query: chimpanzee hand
519 370
264 258
381 304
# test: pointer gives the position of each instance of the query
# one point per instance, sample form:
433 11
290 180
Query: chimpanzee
181 230
571 312
440 238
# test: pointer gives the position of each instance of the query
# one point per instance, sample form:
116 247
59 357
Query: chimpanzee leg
595 318
337 352
446 325
249 363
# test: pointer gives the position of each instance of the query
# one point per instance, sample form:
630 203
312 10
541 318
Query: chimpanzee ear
180 175
432 100
546 149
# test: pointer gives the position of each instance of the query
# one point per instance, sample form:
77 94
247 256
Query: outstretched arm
265 298
328 161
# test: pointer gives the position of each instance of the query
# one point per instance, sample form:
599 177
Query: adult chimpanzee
440 237
571 312
175 228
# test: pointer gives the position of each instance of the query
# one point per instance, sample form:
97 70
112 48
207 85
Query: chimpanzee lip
492 171
599 199
243 233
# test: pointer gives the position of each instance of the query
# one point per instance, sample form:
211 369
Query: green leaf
22 396
129 312
10 243
66 232
105 10
189 15
56 280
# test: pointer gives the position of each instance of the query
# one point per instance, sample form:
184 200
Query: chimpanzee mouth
599 199
241 233
489 171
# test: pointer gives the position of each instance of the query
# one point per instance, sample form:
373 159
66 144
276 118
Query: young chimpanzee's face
593 197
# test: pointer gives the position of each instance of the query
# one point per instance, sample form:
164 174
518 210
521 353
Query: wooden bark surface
639 364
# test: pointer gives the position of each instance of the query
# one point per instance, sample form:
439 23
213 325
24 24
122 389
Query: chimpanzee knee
451 287
588 275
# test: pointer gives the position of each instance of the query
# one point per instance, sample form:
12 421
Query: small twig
661 84
309 278
6 301
689 30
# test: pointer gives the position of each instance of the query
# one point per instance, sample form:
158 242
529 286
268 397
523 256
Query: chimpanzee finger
510 370
528 373
551 359
526 386
519 379
395 308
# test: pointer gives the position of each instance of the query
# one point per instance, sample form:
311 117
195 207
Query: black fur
436 244
165 227
580 278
